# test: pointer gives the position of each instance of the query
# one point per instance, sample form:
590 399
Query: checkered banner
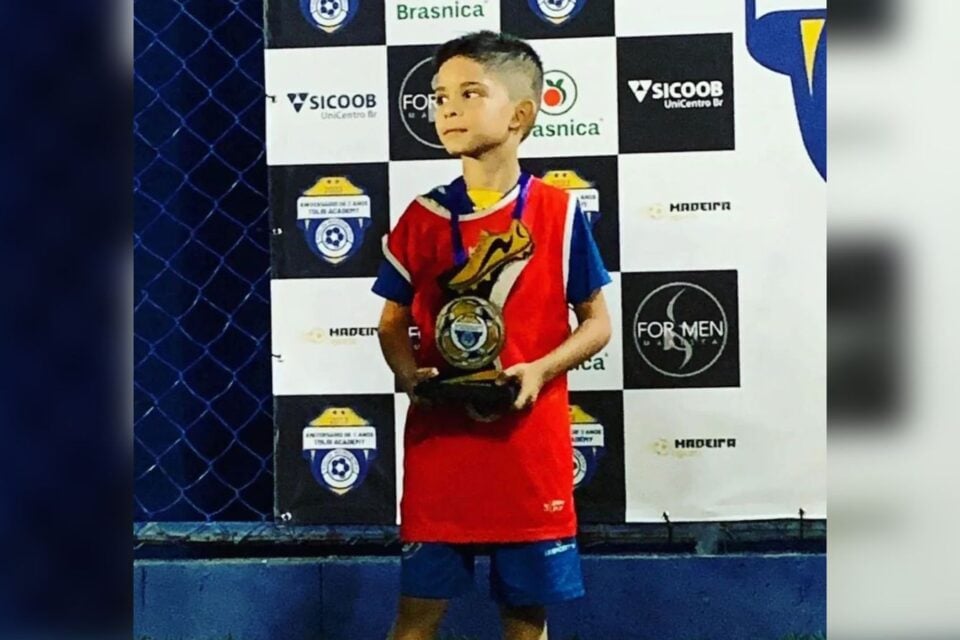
694 134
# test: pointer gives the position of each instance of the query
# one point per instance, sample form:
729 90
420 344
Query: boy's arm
590 336
393 331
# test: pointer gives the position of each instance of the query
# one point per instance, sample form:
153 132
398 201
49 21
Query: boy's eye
440 99
471 92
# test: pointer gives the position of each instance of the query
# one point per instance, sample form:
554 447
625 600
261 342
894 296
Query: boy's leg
524 578
418 618
430 575
524 623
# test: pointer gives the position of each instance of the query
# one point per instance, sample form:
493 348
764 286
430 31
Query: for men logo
681 329
684 329
418 106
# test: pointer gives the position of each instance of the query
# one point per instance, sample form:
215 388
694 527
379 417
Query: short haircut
503 54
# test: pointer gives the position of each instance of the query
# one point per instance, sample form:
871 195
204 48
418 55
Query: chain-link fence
203 425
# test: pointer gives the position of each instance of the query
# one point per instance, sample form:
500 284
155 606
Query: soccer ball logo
340 468
334 238
579 467
556 12
470 332
328 15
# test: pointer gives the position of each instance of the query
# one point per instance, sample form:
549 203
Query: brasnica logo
559 92
559 96
329 15
447 10
704 94
680 329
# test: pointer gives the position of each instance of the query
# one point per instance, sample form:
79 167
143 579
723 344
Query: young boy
502 487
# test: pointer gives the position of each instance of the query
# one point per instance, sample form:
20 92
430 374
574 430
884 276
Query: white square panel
604 371
410 178
324 337
436 21
659 18
684 211
326 104
578 110
734 460
401 403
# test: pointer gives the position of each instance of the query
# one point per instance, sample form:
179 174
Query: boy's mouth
454 130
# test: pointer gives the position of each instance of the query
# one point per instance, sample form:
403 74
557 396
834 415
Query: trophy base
478 392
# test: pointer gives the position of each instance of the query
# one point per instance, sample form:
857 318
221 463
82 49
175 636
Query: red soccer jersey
510 480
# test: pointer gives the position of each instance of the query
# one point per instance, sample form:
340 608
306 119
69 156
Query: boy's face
474 109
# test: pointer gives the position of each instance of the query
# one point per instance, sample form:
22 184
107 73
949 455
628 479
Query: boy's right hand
409 383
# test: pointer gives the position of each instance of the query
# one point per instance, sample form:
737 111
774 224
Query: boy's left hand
530 375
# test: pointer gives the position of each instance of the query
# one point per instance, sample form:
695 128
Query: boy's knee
418 618
524 623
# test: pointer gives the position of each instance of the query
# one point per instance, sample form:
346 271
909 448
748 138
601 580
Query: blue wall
749 597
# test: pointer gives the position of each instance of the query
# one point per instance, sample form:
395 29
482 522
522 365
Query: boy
502 486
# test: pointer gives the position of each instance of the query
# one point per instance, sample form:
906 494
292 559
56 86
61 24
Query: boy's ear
524 115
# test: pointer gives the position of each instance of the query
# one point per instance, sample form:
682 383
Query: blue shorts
521 574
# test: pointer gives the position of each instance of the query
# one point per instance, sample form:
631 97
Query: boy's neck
492 171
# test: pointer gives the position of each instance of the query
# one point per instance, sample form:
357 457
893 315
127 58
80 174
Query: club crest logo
333 215
588 447
556 12
340 446
583 190
329 15
794 43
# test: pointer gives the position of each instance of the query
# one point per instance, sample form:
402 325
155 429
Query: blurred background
892 284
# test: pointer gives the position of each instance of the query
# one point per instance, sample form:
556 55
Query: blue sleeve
586 271
393 279
391 284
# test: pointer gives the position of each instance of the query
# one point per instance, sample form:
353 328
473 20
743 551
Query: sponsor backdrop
692 131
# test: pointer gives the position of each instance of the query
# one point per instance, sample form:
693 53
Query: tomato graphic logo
559 92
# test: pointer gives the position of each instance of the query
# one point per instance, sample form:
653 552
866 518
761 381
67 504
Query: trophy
470 331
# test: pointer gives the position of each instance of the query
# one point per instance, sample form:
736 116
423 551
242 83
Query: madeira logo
333 215
340 446
794 43
556 12
588 446
329 15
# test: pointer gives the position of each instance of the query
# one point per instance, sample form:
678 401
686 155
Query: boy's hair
502 53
